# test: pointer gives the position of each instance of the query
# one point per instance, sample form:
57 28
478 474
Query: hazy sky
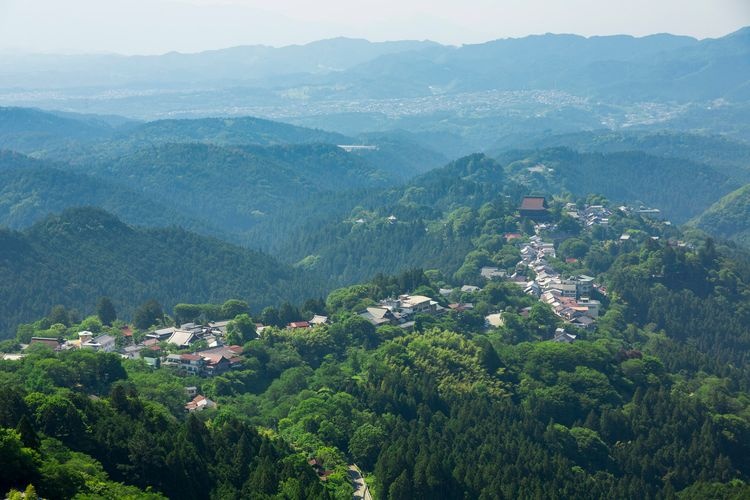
156 26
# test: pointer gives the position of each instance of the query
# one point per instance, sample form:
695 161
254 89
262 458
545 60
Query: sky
159 26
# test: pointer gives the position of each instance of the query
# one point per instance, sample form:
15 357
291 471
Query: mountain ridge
75 257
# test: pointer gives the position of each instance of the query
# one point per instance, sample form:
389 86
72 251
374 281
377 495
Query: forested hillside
305 214
81 139
171 172
242 130
723 154
436 214
76 425
35 131
257 182
427 223
45 133
210 189
652 402
728 218
680 188
76 257
32 189
236 187
397 153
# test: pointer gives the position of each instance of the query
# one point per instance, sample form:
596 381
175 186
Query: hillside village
203 350
543 300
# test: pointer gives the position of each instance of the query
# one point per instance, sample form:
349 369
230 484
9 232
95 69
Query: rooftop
180 338
410 301
299 324
319 320
534 203
51 342
378 312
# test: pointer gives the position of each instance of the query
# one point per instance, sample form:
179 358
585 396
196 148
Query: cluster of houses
216 359
590 215
205 363
189 333
569 297
85 340
401 311
208 362
150 351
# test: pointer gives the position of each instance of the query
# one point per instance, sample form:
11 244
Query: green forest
76 257
728 218
653 403
288 253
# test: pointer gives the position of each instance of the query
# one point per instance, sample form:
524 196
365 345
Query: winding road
361 490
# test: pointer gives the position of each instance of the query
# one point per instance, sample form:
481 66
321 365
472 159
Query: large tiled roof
533 203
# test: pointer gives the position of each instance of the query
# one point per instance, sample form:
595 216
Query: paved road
362 492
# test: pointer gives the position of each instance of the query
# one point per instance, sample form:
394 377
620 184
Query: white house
104 343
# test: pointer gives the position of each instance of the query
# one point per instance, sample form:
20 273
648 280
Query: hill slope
721 153
29 130
619 67
354 239
55 135
215 190
681 189
431 216
85 253
729 217
223 131
32 189
235 187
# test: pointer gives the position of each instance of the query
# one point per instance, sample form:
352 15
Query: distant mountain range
452 100
237 65
653 67
70 137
